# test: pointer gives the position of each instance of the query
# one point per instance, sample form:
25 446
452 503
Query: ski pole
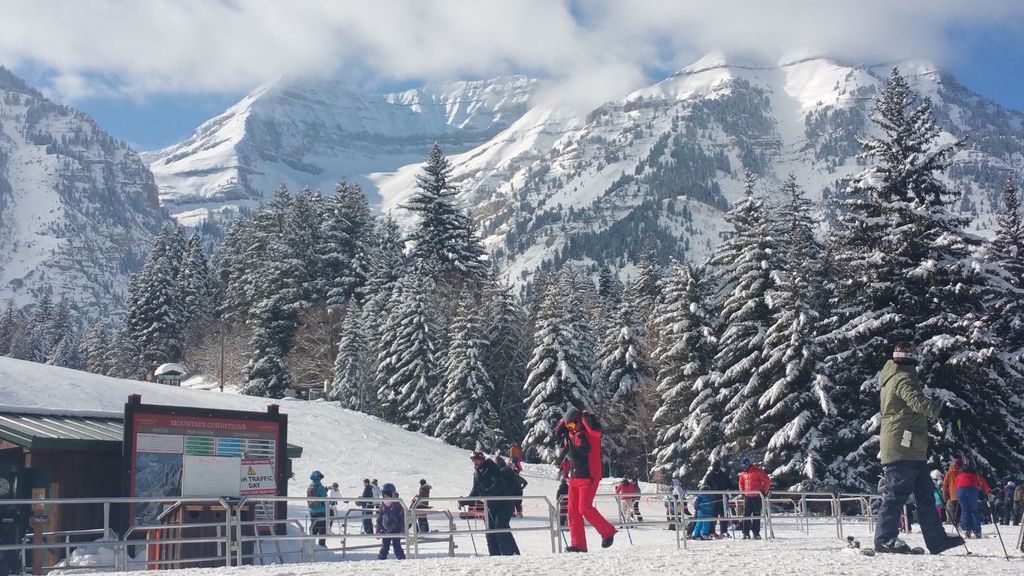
471 538
957 528
998 533
628 534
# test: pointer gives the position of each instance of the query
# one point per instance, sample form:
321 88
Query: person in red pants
579 435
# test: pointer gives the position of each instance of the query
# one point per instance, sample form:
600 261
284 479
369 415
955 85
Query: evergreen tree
1006 303
124 358
506 355
94 350
468 417
559 370
407 362
65 353
39 328
683 357
154 315
744 264
347 249
444 237
194 290
647 285
796 410
8 327
626 371
349 386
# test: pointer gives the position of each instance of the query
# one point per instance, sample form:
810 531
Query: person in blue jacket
390 520
317 505
703 505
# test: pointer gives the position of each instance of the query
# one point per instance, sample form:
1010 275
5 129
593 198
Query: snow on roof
346 446
170 368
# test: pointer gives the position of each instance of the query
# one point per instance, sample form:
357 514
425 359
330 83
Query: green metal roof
54 432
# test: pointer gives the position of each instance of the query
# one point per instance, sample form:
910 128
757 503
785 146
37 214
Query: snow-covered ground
348 446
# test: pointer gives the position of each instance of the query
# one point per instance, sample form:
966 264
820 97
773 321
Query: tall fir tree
9 327
559 369
468 419
65 353
95 349
506 355
154 315
744 264
683 357
796 410
124 357
346 252
40 335
444 238
349 386
407 362
194 289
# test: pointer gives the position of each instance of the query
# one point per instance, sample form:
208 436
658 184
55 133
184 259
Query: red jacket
630 488
971 480
584 447
754 481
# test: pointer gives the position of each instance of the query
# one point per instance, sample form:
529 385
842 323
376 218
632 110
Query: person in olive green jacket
903 450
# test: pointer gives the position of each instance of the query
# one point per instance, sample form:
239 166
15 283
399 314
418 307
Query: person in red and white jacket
969 485
753 483
579 438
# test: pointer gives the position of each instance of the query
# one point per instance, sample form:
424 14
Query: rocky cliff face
77 207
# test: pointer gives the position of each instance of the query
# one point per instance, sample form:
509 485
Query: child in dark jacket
390 520
969 486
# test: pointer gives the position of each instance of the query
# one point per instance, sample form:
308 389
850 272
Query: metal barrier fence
242 538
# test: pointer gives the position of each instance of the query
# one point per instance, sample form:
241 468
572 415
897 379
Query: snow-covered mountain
551 183
663 163
77 207
311 133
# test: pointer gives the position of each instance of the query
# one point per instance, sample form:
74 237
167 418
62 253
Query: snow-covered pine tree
743 264
626 373
407 372
8 327
911 274
65 353
468 418
796 411
683 357
349 386
1006 250
506 355
39 329
231 268
444 237
559 370
194 290
609 287
124 358
95 348
347 248
62 324
153 314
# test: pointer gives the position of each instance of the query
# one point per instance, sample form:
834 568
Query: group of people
966 496
322 507
501 480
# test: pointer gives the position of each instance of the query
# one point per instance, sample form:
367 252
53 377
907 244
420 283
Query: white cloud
599 47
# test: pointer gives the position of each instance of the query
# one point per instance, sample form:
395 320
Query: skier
332 506
579 436
636 500
317 506
1008 502
674 503
903 453
949 492
703 506
515 454
514 482
969 487
488 481
717 479
624 488
367 504
422 502
753 484
390 520
1018 503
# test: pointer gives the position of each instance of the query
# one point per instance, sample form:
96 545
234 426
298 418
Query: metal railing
240 538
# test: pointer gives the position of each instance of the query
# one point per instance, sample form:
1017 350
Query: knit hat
422 481
477 456
316 475
744 462
904 352
388 489
571 414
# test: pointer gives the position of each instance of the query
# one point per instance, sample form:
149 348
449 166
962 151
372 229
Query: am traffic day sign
257 478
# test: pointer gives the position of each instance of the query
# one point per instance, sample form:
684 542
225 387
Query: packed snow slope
346 446
77 207
313 132
652 554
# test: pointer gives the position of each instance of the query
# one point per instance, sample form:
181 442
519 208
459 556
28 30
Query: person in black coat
488 480
366 505
718 479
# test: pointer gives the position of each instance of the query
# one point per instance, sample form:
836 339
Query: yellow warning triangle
251 471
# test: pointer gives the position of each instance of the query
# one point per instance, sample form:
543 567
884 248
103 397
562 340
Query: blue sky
150 72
